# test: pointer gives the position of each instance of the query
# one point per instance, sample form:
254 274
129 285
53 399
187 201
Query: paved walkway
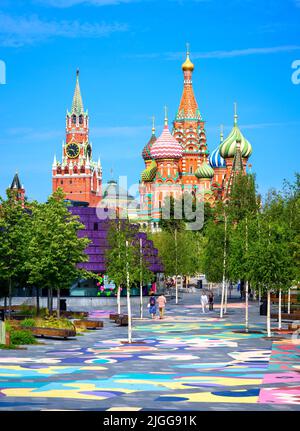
187 361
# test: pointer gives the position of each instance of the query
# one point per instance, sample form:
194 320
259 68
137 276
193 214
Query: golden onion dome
187 65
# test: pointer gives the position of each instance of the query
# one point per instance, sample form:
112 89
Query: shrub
53 322
8 326
21 337
28 323
27 310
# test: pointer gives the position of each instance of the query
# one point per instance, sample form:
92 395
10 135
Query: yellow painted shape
207 397
29 392
223 381
124 409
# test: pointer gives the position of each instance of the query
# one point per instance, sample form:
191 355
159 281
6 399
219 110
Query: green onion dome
204 171
229 145
149 173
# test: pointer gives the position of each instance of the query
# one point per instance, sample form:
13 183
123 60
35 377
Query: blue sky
129 53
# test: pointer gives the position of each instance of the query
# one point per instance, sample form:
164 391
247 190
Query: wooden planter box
294 326
286 316
53 332
114 316
122 320
88 324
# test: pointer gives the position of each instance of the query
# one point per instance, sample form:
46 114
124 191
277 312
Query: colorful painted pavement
187 361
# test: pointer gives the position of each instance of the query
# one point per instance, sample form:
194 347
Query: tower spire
188 65
235 114
153 125
166 116
77 105
188 107
221 133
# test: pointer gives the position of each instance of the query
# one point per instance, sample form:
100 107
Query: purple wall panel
96 250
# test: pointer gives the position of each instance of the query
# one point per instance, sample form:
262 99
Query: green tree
241 209
54 249
15 231
124 262
269 261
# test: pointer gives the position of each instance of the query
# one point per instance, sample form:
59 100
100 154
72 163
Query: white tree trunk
119 299
259 295
128 301
129 316
247 307
289 301
269 314
141 278
226 298
279 310
222 298
141 301
176 290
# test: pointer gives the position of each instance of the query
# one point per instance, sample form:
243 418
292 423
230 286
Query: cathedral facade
179 161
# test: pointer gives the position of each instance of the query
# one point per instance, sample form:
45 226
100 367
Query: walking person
161 300
204 301
152 305
211 301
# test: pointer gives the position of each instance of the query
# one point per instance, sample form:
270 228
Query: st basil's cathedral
179 161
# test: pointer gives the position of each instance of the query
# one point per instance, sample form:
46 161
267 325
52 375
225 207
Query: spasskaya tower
77 174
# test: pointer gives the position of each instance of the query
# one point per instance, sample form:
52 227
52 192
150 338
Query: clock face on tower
72 150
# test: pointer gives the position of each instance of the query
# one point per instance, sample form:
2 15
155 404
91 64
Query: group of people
160 301
207 300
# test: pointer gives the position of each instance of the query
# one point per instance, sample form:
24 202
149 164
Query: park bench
53 332
122 320
294 326
88 324
286 316
114 316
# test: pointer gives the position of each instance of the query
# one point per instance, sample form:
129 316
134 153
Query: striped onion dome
166 146
204 171
146 153
229 145
215 159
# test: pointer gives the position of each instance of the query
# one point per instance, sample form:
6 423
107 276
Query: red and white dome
166 146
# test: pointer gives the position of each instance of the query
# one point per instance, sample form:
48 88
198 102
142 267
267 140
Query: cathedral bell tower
77 174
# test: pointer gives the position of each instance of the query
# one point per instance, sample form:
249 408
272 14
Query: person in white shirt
204 301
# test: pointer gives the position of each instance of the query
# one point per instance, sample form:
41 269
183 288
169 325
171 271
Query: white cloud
247 51
24 30
70 3
219 53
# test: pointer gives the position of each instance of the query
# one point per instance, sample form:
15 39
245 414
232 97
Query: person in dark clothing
211 301
152 305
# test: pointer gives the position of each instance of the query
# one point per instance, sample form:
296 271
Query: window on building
191 169
95 226
74 119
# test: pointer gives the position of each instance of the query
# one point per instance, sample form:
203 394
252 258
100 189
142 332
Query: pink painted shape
284 395
292 376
